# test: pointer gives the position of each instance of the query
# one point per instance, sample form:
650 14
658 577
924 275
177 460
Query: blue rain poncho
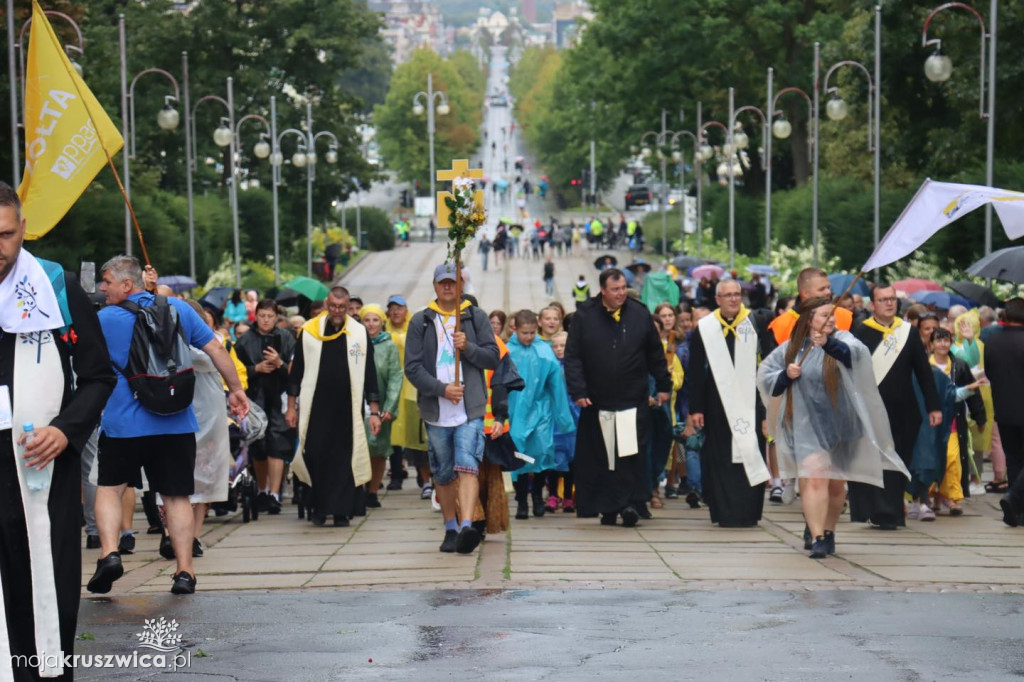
541 407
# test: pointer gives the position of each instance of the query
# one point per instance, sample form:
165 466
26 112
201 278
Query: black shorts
169 461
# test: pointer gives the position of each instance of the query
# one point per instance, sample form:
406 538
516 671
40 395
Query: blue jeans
693 469
455 449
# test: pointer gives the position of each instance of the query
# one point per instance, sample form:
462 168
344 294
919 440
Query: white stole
618 429
28 301
38 391
736 385
357 355
888 350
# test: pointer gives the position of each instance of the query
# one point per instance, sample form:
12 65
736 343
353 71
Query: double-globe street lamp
12 73
736 143
938 68
837 109
661 139
226 135
423 101
304 157
781 128
167 119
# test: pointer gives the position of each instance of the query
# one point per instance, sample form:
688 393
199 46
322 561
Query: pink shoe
568 506
553 504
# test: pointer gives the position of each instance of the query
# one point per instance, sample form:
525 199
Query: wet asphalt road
571 635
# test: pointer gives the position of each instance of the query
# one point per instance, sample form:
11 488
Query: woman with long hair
826 416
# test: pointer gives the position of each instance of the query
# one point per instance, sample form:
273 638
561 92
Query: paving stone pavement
397 546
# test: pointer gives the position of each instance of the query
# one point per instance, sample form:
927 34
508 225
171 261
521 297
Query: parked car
499 101
637 195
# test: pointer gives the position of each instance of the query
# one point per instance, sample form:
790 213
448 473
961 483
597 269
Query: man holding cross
452 402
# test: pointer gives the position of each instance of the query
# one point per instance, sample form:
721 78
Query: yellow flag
65 132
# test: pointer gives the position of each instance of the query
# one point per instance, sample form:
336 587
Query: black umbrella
638 267
603 262
975 292
217 297
1005 264
686 262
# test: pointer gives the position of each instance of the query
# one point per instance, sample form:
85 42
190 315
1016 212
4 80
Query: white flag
936 205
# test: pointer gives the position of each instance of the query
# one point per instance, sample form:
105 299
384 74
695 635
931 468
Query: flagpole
13 82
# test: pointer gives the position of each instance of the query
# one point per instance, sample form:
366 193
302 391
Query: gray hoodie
480 353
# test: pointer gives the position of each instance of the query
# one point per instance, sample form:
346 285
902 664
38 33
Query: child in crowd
536 412
550 322
565 445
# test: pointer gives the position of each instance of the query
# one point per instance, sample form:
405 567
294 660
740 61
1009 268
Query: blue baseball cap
445 273
397 300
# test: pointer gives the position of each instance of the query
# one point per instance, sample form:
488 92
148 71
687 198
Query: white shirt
449 415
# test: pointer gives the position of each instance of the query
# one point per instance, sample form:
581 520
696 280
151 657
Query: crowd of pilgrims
849 411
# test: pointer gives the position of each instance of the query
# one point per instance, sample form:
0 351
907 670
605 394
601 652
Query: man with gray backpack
148 421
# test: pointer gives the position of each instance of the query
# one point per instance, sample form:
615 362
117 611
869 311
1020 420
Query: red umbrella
912 286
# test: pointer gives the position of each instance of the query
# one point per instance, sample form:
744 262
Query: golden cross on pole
460 169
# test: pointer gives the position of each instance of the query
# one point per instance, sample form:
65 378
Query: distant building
530 11
412 24
567 21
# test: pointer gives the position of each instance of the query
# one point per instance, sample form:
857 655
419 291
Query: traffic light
405 198
575 182
586 176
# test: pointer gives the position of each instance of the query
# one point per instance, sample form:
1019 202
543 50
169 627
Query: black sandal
997 486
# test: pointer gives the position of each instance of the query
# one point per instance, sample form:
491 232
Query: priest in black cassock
332 376
40 536
898 358
722 380
613 347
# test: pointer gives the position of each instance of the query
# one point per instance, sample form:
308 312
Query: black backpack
159 369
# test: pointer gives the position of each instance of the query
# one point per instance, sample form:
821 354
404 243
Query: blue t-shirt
124 416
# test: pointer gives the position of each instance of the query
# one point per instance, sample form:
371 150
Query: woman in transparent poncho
826 417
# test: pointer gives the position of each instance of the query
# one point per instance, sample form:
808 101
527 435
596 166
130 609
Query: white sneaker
978 489
914 511
789 492
434 504
926 513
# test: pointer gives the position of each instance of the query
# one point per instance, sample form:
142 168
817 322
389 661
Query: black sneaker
808 540
372 501
538 506
608 519
262 502
183 583
630 517
273 505
644 512
522 511
108 569
341 521
92 542
449 543
819 549
395 484
467 540
1010 516
775 496
126 545
693 499
671 492
427 491
166 548
197 548
830 541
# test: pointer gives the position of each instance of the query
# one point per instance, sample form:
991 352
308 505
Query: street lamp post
167 119
705 152
837 109
737 142
424 101
938 68
12 60
660 140
261 150
305 157
782 129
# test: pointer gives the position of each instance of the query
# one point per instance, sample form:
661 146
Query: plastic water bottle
35 479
